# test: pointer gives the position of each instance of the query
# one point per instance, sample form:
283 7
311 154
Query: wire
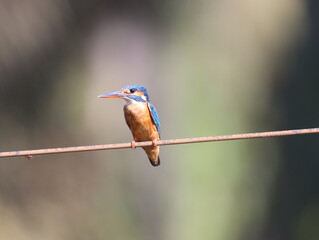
29 153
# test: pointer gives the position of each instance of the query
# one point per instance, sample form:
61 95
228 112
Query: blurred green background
211 68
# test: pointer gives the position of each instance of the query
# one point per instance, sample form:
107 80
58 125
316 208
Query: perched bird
141 117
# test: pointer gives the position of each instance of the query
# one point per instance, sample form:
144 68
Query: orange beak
117 94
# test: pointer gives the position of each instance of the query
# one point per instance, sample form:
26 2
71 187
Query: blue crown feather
139 88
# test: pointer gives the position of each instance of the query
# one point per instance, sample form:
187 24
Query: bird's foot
154 142
133 144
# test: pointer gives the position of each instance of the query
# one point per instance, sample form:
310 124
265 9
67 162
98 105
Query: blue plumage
137 98
151 107
138 88
155 117
141 117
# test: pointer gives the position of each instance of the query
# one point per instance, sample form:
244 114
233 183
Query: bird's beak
117 94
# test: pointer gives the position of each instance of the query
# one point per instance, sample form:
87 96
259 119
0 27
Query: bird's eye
133 90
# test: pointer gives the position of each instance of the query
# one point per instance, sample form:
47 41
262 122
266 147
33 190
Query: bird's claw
133 144
154 142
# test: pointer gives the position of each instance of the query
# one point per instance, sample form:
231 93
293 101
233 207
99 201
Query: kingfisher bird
141 117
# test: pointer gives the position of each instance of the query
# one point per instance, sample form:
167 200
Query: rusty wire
29 153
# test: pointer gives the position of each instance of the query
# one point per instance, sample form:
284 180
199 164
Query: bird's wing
155 117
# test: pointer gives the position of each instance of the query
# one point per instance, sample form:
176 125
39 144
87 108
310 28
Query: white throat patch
129 100
144 97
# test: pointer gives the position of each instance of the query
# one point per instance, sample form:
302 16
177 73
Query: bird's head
130 93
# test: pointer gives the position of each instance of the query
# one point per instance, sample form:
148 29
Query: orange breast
139 120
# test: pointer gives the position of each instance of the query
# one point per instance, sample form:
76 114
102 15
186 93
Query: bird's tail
155 163
153 155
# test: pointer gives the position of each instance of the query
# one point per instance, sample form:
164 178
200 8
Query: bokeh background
211 67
